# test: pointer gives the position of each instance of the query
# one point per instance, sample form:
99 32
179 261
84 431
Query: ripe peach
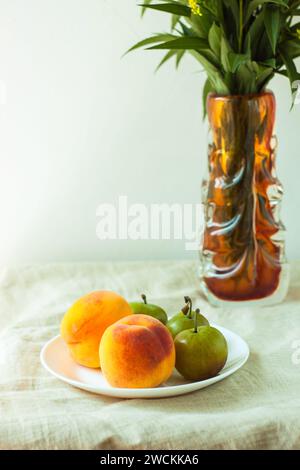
85 322
137 352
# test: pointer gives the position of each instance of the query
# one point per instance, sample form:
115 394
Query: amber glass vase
242 252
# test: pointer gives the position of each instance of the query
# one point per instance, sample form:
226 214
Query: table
256 408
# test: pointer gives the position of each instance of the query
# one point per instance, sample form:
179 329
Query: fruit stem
188 301
185 310
197 312
144 299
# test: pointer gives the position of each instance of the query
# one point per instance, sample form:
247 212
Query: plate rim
153 392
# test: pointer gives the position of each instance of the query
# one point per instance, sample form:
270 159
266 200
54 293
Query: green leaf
214 39
201 24
173 8
283 72
211 57
174 21
269 63
256 3
151 40
264 77
264 50
229 79
293 74
183 43
256 31
146 2
207 89
219 11
225 50
213 73
186 31
235 60
230 60
290 65
291 47
167 57
246 80
247 45
179 56
234 6
272 24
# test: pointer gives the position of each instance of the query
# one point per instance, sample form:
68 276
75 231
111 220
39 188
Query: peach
137 352
85 322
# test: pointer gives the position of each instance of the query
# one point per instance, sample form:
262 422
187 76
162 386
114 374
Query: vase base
276 298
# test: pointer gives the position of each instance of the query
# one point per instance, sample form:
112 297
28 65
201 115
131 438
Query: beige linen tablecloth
256 408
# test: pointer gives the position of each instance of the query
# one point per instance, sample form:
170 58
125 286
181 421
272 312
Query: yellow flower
195 7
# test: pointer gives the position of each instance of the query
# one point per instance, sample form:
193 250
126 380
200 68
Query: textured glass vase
242 253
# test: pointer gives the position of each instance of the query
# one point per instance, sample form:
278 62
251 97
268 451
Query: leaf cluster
241 44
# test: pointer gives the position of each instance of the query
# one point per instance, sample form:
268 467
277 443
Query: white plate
56 359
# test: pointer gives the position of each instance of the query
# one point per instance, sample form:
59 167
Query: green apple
184 320
201 352
149 309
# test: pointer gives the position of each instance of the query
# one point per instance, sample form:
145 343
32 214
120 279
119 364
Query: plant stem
196 320
241 27
188 300
144 299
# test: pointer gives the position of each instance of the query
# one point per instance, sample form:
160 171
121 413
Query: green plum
149 309
184 320
201 352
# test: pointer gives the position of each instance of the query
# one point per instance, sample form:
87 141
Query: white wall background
80 126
